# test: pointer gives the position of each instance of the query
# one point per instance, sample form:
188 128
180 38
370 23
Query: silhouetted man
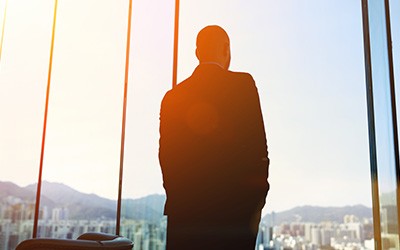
213 153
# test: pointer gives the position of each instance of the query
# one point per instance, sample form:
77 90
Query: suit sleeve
255 145
171 145
165 133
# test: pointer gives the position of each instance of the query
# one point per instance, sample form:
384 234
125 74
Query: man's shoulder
235 79
243 75
178 90
242 79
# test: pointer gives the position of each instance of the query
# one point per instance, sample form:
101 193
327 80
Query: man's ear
227 49
197 54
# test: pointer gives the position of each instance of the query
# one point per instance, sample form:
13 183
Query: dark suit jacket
213 151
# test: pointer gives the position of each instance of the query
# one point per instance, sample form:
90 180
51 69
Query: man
213 153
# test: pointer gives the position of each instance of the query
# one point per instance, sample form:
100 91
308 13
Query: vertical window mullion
3 28
121 166
371 128
39 184
176 38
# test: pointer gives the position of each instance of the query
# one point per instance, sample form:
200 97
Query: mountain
82 205
53 190
150 208
388 199
11 190
317 214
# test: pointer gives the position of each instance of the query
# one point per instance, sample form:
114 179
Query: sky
306 58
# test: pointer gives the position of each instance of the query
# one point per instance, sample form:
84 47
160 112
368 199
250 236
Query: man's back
213 155
212 144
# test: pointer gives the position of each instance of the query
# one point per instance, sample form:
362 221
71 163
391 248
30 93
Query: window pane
150 76
395 29
23 78
384 126
307 60
81 162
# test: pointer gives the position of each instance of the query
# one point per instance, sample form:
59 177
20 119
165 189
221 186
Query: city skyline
337 228
56 188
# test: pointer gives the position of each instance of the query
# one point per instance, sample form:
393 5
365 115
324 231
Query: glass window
23 80
395 32
385 147
150 76
81 162
305 56
307 60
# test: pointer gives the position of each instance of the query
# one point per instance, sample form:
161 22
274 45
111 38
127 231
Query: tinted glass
150 76
23 79
384 125
307 60
81 162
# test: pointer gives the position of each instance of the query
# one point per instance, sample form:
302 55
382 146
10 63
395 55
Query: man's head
213 46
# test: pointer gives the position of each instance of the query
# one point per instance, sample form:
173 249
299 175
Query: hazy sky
306 57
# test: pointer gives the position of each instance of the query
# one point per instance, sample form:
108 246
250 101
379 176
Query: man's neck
211 62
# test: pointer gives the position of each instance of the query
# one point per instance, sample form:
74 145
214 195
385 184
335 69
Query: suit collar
211 63
207 68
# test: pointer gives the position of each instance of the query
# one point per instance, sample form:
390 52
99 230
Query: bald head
213 46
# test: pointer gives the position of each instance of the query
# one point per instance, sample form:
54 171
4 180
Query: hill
81 205
150 208
316 214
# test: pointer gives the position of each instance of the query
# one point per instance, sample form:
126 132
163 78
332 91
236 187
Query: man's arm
164 152
171 144
255 146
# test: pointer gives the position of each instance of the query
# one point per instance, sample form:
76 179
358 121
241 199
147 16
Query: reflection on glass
81 158
395 31
3 14
307 61
150 76
308 67
384 125
310 78
23 77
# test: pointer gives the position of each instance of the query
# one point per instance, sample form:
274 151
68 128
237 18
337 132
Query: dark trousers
211 233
